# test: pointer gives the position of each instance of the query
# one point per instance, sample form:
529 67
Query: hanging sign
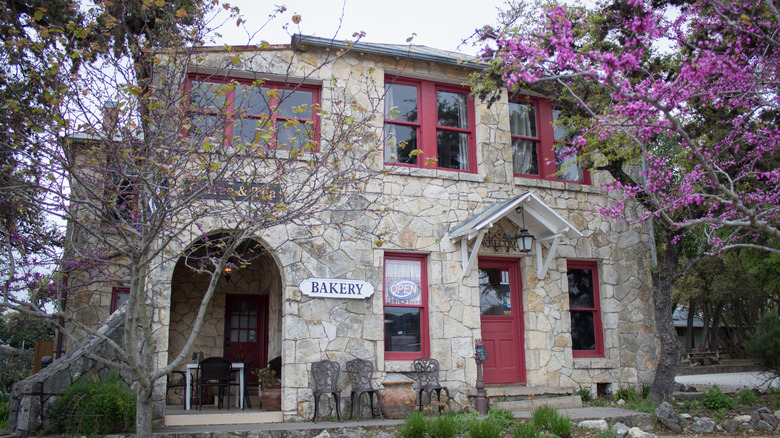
336 288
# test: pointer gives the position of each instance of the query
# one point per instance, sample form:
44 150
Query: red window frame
427 125
116 294
423 306
545 141
598 333
273 117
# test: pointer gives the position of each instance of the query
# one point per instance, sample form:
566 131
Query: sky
442 24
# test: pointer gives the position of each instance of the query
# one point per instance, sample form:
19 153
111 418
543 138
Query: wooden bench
700 356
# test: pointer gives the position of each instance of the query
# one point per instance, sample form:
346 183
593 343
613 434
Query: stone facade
422 206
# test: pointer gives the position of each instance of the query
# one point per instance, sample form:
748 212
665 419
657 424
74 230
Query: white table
235 366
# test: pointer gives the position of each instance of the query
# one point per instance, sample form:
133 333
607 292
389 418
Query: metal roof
420 53
540 219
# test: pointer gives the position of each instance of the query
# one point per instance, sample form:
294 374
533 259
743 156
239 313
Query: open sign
404 290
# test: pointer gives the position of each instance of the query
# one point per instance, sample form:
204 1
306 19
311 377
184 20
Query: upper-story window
272 114
540 148
428 124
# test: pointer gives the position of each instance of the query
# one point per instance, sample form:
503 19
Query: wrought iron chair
326 378
214 372
174 380
360 372
427 375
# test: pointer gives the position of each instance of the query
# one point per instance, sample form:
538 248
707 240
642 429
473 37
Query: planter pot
398 399
271 398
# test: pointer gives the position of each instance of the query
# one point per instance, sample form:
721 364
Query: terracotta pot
398 399
271 398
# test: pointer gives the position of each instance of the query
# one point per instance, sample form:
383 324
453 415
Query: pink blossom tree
688 92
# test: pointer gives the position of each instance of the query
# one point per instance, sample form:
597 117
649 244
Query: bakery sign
336 288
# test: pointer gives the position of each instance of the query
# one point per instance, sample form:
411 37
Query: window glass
453 109
565 154
525 157
402 329
494 293
400 141
401 102
403 282
207 95
582 331
453 150
584 308
522 119
295 104
580 288
251 100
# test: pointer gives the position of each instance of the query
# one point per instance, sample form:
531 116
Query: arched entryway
243 320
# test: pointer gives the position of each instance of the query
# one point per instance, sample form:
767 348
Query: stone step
560 402
524 391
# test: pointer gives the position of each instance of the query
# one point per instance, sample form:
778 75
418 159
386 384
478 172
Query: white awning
547 226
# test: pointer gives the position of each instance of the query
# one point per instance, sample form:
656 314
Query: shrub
764 343
543 417
526 430
747 397
100 408
4 402
503 416
561 426
414 426
490 427
585 394
716 400
628 393
444 426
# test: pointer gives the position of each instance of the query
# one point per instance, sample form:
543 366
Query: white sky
442 24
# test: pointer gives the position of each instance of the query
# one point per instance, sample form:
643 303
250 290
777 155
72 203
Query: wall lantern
525 239
229 269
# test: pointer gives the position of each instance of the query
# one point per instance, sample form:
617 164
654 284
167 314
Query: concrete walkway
625 416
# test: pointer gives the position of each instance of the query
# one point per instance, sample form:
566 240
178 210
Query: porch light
229 268
524 239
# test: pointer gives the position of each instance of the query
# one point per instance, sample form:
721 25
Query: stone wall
32 399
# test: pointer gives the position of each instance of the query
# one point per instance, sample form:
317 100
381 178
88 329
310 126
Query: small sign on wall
336 288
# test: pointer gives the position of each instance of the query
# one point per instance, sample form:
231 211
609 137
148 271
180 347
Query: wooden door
501 308
246 329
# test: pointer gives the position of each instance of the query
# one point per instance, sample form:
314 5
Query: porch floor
176 415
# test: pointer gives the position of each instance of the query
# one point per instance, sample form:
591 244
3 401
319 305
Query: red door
246 329
502 320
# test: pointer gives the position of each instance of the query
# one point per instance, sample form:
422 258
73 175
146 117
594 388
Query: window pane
400 141
251 130
251 100
525 156
522 119
207 95
453 109
205 125
403 281
291 134
295 104
402 329
244 321
566 163
242 336
494 292
233 335
582 330
401 102
580 289
559 132
453 150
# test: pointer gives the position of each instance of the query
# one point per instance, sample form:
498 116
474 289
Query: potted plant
270 389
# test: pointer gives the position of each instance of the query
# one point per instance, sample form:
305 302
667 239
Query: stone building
459 179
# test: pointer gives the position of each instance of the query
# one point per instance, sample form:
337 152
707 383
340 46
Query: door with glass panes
246 329
502 320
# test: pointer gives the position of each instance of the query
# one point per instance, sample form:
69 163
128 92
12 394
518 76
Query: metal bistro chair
215 372
326 379
427 375
175 380
360 372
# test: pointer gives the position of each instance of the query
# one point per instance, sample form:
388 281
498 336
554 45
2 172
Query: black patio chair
426 372
360 372
214 372
326 379
174 380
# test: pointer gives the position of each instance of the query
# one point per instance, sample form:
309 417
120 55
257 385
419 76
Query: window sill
554 184
594 363
434 173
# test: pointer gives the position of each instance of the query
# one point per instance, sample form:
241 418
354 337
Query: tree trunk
705 329
715 326
666 370
689 326
144 412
